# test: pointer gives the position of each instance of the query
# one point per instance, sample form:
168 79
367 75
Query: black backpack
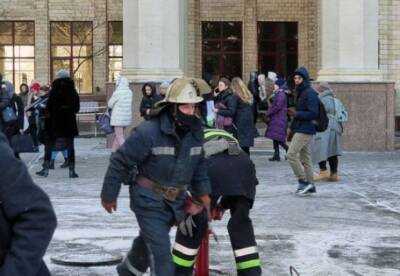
321 124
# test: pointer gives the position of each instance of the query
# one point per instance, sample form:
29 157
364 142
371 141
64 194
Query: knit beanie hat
62 74
324 85
35 86
280 82
164 84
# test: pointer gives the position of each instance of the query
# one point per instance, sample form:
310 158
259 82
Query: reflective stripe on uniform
218 133
245 251
185 250
163 150
248 264
131 268
195 151
182 262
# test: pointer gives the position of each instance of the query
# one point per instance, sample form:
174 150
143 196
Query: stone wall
250 12
389 38
370 126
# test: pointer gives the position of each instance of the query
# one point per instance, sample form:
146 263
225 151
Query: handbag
222 121
104 122
22 143
9 115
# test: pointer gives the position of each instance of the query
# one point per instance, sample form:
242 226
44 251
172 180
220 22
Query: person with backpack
303 127
327 145
11 112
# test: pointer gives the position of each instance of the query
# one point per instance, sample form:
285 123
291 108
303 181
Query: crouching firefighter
161 159
233 183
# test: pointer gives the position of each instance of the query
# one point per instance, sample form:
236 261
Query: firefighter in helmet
233 181
161 161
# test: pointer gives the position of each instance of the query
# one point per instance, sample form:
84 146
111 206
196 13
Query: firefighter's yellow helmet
184 91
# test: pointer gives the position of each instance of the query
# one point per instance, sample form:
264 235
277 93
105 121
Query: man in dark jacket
303 127
233 183
27 219
161 160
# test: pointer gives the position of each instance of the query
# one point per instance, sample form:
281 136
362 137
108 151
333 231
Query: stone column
250 38
42 42
100 28
349 38
153 39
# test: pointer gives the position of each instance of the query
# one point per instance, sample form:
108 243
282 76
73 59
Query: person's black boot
45 171
72 173
51 166
65 164
276 157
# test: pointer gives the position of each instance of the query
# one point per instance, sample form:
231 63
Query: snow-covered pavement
348 228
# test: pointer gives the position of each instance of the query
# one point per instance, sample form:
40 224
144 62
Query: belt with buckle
168 192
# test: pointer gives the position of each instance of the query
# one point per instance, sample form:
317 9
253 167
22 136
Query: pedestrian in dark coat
243 120
225 106
276 118
62 106
8 98
32 110
150 97
303 127
253 87
27 219
24 93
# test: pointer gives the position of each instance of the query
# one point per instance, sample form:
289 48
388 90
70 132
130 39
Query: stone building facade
42 12
249 12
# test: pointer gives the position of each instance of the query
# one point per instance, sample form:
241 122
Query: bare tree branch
84 59
82 43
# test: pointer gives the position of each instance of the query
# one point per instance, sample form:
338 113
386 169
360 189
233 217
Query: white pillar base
358 75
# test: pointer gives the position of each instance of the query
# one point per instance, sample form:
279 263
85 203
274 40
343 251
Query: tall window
114 50
277 47
221 50
72 49
17 52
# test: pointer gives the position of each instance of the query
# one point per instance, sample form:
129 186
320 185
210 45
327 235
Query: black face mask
184 120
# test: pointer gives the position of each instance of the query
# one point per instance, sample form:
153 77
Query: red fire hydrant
202 260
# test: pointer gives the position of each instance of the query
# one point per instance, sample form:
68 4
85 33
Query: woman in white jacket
121 114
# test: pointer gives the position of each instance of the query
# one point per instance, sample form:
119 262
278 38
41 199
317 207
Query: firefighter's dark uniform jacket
27 219
233 176
155 151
